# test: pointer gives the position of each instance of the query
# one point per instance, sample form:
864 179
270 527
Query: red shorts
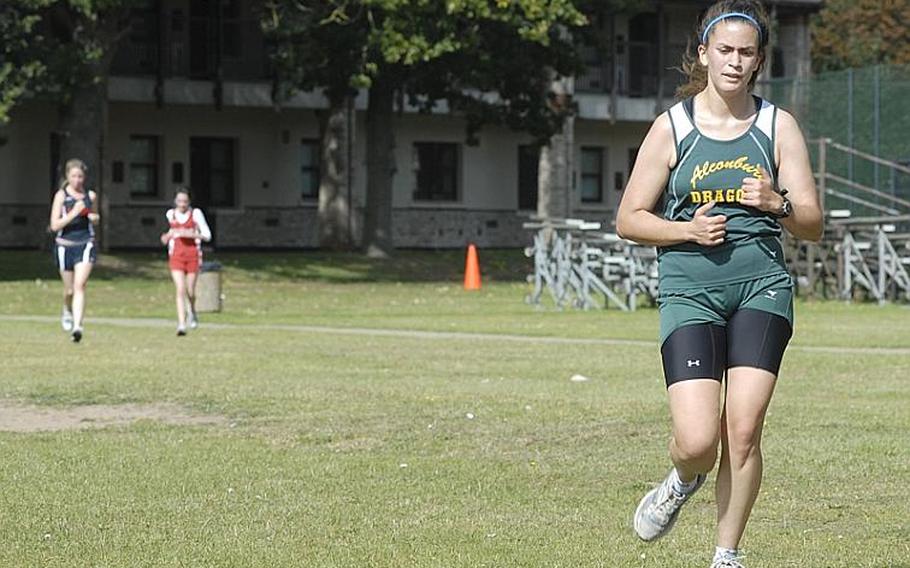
186 264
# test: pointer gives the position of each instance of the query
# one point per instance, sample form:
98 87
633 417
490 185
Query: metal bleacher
580 265
860 257
577 264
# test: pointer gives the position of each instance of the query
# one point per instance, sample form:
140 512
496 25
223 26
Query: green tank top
713 170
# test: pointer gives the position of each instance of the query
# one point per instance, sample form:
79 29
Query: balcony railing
635 70
236 51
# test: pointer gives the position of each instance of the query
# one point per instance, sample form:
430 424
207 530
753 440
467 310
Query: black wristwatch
786 208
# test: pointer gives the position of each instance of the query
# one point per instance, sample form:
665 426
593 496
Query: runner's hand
760 194
707 230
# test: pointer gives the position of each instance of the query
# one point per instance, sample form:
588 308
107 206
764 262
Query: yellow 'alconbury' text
702 171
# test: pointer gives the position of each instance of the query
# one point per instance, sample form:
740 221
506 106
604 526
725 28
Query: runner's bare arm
58 221
806 220
94 216
636 219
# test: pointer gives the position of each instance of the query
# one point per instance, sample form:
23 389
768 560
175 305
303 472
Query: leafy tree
61 50
77 39
19 66
857 33
491 61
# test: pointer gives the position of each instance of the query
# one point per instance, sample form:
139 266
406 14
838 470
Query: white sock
680 486
721 553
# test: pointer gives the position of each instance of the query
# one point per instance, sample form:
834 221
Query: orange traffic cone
472 270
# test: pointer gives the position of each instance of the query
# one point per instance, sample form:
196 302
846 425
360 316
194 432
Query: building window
138 52
528 164
143 177
436 170
212 172
309 168
777 63
644 69
592 164
231 29
56 167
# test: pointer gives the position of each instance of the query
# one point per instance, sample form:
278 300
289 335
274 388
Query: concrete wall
617 140
25 158
488 177
452 228
25 184
269 211
24 226
267 147
268 227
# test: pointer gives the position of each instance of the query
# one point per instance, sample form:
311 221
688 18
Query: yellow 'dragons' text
718 195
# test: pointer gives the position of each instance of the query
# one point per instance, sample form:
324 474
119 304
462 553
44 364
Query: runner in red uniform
188 230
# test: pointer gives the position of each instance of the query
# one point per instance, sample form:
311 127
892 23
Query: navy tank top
80 229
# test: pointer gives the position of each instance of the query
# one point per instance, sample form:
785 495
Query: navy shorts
68 256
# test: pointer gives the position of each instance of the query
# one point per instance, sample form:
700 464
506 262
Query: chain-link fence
867 109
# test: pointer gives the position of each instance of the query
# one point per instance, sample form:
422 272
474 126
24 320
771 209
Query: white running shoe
727 563
191 320
657 512
181 331
66 320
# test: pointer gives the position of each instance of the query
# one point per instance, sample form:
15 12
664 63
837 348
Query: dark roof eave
806 5
817 4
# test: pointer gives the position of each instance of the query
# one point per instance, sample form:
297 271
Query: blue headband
747 17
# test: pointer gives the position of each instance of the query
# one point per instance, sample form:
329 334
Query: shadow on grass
503 265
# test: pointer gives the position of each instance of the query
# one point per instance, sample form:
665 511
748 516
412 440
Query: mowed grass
360 450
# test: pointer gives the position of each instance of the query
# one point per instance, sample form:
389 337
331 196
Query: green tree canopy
491 61
52 48
857 33
487 58
20 65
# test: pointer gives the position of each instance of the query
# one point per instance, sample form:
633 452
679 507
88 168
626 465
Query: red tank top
184 246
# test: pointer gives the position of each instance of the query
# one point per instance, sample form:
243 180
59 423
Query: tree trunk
554 181
82 126
377 234
82 122
334 182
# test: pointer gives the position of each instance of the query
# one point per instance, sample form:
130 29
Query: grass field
351 448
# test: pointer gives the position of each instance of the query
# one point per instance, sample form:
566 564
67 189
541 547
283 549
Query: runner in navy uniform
74 216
